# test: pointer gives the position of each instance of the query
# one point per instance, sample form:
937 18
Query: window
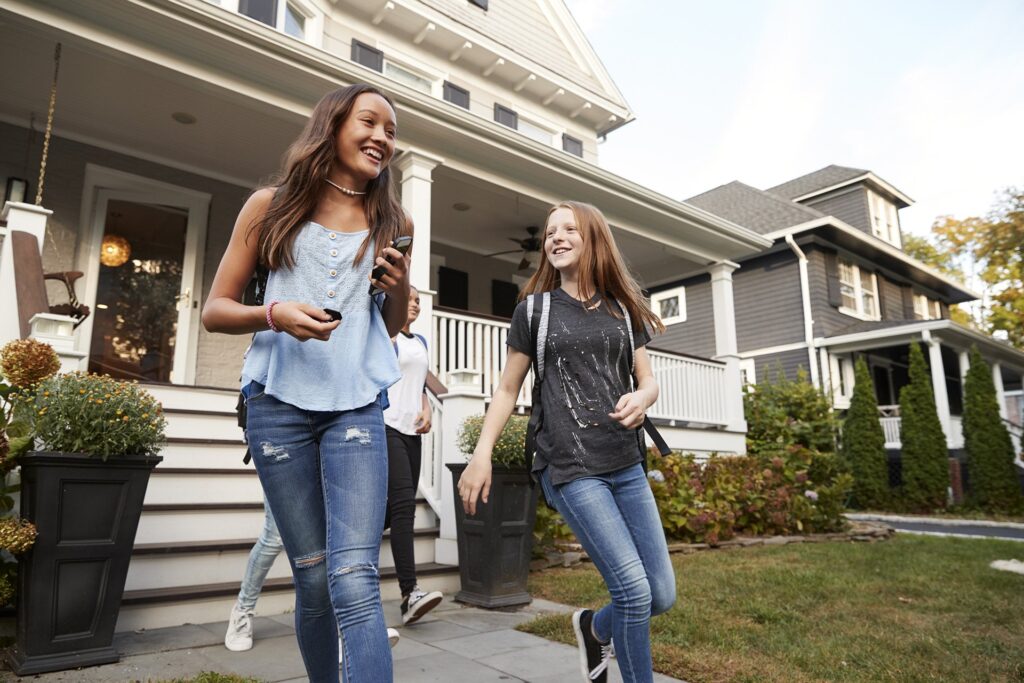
926 309
408 77
859 291
293 17
367 56
506 117
748 371
456 95
670 305
885 222
572 145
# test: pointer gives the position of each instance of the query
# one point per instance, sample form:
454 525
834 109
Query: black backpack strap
649 426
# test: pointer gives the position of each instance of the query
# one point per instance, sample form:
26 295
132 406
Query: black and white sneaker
594 655
417 603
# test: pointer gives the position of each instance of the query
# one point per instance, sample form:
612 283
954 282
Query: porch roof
867 335
252 88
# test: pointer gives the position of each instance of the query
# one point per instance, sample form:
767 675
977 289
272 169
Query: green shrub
990 456
508 449
781 412
923 452
863 444
97 415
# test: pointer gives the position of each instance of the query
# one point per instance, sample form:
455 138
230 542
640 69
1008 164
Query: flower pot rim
112 460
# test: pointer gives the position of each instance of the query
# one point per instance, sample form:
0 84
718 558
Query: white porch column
997 380
26 218
417 168
462 400
938 382
725 342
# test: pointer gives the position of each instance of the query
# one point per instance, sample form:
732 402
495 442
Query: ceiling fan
530 246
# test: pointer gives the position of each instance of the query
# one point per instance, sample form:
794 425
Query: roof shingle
820 179
755 209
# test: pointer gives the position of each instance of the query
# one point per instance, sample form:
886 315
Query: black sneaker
594 655
417 603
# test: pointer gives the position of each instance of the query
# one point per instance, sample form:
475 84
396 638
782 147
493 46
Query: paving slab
262 627
431 632
543 660
481 645
270 659
163 639
480 620
156 666
447 667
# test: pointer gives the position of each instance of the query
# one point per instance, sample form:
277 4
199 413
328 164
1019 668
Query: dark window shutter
835 296
452 288
883 309
506 116
482 4
264 11
503 298
367 56
456 95
572 145
908 303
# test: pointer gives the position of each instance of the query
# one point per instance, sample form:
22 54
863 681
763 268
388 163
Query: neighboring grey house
835 284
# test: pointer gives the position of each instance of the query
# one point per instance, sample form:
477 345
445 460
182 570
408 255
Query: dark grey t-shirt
586 371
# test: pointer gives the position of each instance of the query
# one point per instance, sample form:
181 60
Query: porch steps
203 507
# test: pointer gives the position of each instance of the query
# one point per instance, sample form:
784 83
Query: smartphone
335 315
402 243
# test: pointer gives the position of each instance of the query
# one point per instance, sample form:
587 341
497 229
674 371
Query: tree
996 244
863 444
990 456
939 257
924 455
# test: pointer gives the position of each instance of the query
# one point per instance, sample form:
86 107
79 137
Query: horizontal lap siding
769 309
696 335
827 318
766 368
849 206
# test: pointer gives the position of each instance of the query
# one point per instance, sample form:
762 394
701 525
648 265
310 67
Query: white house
167 113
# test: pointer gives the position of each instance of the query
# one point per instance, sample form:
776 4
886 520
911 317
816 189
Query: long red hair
601 259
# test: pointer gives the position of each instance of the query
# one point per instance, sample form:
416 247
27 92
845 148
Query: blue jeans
261 558
325 475
615 518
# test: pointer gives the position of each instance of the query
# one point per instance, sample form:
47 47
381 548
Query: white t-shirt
406 395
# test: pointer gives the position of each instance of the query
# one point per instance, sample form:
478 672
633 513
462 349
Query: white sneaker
393 637
417 603
239 635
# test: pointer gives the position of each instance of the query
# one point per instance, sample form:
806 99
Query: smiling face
563 242
414 306
365 142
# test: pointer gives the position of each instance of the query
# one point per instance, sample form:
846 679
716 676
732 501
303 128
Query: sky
929 95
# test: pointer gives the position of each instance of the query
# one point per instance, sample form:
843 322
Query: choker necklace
344 190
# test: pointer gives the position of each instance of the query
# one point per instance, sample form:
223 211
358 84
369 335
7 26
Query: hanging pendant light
114 251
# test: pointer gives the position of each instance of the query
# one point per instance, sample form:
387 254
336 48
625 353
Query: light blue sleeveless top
358 362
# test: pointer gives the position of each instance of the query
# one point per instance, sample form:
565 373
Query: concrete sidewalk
453 644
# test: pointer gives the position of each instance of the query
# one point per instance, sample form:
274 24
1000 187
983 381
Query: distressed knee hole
310 560
274 452
358 434
343 571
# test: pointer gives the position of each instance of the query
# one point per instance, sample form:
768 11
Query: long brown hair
601 258
300 182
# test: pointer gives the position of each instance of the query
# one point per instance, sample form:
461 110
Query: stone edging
570 554
910 519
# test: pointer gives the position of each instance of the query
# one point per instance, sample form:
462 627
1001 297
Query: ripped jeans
325 475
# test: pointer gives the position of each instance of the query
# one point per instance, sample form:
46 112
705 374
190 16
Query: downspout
805 296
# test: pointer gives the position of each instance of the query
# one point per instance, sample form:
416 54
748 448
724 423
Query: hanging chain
49 126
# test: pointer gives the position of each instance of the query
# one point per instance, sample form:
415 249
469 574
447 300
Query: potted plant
495 544
83 489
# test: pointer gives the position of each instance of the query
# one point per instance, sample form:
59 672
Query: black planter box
71 582
495 544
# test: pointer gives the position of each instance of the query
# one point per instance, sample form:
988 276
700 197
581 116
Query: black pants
403 478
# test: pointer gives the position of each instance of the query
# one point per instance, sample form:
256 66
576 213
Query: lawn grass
909 609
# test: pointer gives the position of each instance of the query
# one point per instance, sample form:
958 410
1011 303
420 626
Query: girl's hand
630 410
396 271
475 482
422 423
303 321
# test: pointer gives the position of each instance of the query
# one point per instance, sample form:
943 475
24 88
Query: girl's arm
423 422
395 282
632 408
223 310
476 478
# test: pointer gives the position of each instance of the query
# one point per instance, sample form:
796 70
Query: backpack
538 316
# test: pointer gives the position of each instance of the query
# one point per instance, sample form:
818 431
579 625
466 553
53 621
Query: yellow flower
125 418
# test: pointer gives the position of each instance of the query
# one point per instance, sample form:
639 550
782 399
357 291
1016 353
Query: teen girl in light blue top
315 387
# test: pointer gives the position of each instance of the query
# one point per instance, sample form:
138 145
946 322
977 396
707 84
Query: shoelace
244 622
416 595
607 652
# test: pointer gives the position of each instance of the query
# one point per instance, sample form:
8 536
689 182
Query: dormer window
859 291
885 223
926 309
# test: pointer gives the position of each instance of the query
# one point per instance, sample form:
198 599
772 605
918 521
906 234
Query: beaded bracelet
270 316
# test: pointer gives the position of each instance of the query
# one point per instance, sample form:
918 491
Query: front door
143 267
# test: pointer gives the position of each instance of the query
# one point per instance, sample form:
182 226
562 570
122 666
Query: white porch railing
432 467
690 389
891 428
